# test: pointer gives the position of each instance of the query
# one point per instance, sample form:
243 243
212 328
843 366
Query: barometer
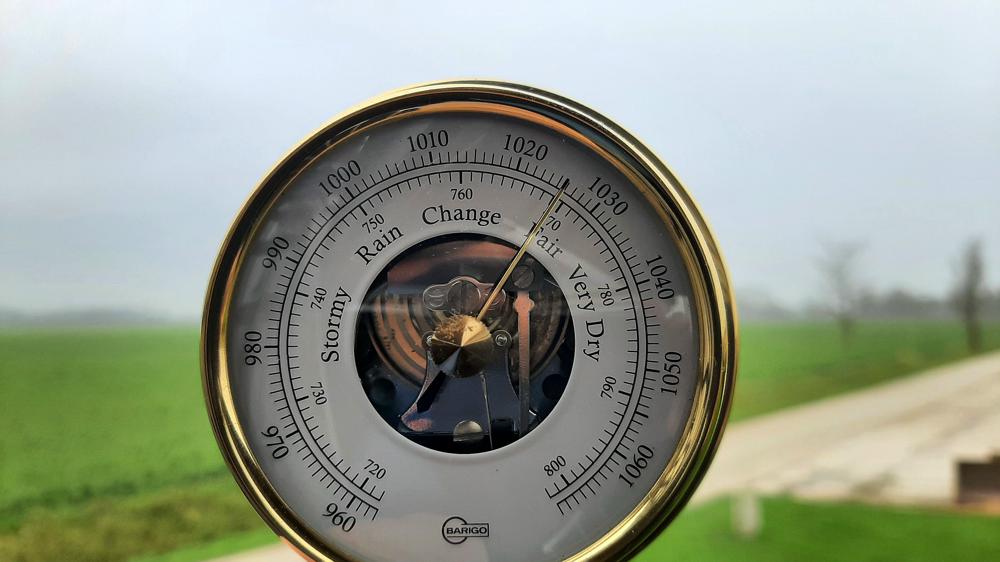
469 321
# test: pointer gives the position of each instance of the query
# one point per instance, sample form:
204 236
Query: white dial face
399 423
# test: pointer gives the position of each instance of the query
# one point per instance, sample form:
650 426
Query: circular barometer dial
469 321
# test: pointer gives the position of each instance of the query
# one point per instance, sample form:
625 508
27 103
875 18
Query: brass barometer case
469 321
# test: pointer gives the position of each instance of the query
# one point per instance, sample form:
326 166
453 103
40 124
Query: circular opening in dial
443 375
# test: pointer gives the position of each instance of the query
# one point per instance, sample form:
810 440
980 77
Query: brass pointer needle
520 252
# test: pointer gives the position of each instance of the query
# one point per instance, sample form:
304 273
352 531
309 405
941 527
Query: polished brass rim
712 294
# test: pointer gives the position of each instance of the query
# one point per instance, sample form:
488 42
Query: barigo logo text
457 530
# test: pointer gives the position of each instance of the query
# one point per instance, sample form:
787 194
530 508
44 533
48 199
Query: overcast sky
130 136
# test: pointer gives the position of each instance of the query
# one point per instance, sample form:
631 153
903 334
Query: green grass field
107 452
786 364
817 532
94 413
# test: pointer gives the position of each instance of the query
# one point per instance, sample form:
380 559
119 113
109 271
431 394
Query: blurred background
846 153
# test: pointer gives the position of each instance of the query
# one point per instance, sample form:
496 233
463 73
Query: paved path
893 443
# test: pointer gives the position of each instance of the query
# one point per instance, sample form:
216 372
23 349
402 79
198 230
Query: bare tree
838 265
969 292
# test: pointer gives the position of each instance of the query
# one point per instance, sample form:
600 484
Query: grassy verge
107 452
239 542
118 528
795 530
784 365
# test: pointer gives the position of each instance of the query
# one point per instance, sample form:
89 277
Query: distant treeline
87 318
896 304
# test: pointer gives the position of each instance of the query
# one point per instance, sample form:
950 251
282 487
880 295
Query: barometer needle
498 286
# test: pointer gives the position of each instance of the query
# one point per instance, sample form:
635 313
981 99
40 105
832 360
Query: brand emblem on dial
457 530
